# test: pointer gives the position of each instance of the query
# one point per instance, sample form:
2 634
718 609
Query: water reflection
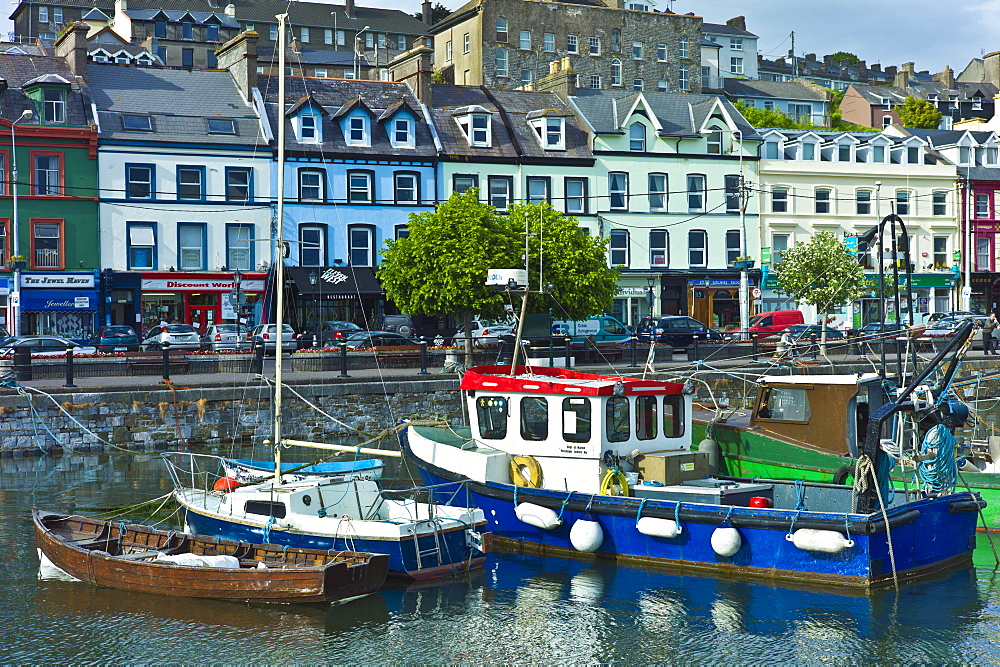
518 609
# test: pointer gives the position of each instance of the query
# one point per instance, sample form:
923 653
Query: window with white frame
984 253
697 248
447 51
696 193
191 247
550 132
982 208
682 77
822 201
525 77
238 247
341 38
312 245
141 246
616 72
779 200
659 250
844 153
618 190
465 43
736 43
361 246
940 252
360 187
572 44
55 106
953 101
304 34
619 248
549 42
500 189
476 127
940 203
328 36
637 137
636 50
736 66
658 193
779 244
501 29
576 195
977 103
661 53
771 150
43 14
595 46
238 184
714 142
501 62
616 41
733 246
808 150
902 202
462 182
312 185
525 40
309 129
913 154
595 81
878 153
863 202
402 133
357 131
637 84
661 86
320 72
682 47
139 181
538 189
406 185
886 121
732 185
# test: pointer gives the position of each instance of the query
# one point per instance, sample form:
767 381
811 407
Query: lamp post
650 295
237 307
357 52
27 114
313 279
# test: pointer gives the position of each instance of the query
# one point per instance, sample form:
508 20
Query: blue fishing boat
572 464
245 471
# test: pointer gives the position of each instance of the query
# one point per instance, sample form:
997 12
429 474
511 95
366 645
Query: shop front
931 293
340 293
200 299
715 302
59 304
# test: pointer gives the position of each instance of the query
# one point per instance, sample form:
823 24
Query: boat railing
194 471
429 497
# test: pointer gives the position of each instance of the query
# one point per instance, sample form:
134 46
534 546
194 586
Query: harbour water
518 609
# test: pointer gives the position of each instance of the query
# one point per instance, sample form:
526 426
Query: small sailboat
424 539
245 471
140 558
574 464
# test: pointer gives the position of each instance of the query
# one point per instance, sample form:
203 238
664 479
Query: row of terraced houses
141 190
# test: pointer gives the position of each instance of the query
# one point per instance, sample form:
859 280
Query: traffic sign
757 293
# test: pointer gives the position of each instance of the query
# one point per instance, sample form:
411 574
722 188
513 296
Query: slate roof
964 91
875 94
982 173
512 139
721 29
20 71
786 90
679 114
931 156
177 15
264 11
178 101
333 94
267 54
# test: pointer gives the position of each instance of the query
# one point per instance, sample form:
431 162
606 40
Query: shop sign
716 283
200 285
57 280
81 302
632 291
922 280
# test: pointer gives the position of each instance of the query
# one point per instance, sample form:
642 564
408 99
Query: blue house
802 101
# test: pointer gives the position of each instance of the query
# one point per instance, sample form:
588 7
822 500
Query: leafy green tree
845 56
821 272
768 118
441 266
919 113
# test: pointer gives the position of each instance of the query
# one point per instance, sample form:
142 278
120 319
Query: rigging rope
939 473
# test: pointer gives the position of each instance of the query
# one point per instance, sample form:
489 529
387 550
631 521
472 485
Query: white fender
537 516
825 541
649 525
586 535
726 541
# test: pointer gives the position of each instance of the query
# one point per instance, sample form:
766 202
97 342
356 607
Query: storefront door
201 317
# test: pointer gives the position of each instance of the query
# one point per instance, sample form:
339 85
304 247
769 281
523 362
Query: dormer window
550 132
885 101
913 154
844 153
809 151
309 129
637 137
475 124
977 104
715 142
357 131
402 132
54 106
878 153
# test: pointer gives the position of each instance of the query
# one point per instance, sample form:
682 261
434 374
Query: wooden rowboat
119 555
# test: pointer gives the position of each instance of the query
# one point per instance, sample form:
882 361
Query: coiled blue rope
939 474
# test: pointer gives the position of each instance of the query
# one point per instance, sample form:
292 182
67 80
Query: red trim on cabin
498 378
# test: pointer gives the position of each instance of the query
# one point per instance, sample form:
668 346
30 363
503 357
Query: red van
769 323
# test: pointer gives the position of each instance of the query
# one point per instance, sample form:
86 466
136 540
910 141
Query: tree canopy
919 113
440 268
845 57
821 272
772 118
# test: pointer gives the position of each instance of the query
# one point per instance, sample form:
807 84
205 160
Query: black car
334 331
368 339
676 330
400 324
806 332
118 338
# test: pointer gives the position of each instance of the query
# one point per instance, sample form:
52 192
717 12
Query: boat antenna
280 255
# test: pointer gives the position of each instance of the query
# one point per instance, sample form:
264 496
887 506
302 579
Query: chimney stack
947 77
414 68
239 56
738 22
426 13
560 80
72 47
349 9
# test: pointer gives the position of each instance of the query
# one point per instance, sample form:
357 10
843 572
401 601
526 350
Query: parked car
44 346
117 338
951 315
879 329
483 332
225 337
401 324
268 335
332 332
805 332
179 336
367 339
949 325
769 324
674 330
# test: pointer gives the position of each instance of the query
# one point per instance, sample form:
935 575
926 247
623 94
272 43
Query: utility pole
795 61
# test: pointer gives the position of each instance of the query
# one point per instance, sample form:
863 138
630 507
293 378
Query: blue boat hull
456 555
926 535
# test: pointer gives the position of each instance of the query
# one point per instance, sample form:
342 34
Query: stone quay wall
161 419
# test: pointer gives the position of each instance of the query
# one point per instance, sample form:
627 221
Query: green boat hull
753 454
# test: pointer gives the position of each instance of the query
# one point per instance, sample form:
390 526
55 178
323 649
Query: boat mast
280 255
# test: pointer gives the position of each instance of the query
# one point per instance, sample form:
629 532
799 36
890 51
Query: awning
39 300
335 282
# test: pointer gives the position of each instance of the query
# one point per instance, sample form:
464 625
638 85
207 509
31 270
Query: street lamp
650 295
237 279
27 114
357 53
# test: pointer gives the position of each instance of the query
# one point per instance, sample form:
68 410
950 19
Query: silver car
225 337
179 336
268 334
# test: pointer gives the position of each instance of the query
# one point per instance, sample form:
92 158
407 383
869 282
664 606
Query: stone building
508 44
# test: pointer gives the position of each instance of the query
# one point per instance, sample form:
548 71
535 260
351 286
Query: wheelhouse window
617 421
784 404
534 418
576 420
673 416
646 420
492 413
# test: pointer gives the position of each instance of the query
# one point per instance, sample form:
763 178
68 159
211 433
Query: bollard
166 361
631 341
814 347
551 353
423 356
258 358
569 351
69 368
343 360
694 346
754 350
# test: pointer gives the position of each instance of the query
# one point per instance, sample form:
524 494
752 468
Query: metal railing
47 259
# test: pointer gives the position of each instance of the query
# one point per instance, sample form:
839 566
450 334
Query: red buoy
756 501
226 484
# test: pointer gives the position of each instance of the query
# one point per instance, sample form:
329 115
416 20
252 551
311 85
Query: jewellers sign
57 280
200 285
